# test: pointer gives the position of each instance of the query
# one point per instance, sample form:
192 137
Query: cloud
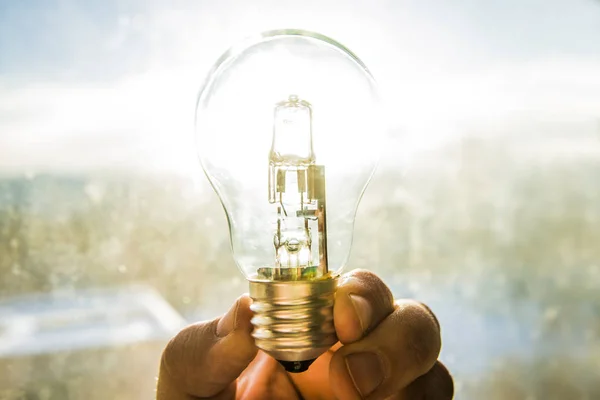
137 121
500 99
123 89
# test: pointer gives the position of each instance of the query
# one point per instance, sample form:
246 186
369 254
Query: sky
113 84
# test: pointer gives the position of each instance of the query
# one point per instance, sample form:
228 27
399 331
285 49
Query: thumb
204 359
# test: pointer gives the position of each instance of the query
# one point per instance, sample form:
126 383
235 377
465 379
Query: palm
265 378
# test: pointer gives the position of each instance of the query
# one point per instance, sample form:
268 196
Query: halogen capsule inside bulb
297 193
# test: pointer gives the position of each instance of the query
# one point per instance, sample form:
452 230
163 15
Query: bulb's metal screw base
293 320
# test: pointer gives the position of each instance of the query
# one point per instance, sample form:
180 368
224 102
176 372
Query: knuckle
443 386
169 360
372 283
364 275
370 286
431 314
423 335
437 384
181 353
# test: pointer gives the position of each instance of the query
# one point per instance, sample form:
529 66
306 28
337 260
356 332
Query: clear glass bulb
288 131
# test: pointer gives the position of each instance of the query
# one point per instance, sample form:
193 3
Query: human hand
386 349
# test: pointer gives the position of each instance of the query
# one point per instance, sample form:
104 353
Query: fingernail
366 371
363 310
227 323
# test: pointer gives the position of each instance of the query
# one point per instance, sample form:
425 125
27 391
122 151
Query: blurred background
486 204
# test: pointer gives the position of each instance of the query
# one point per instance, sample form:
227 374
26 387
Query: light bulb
288 132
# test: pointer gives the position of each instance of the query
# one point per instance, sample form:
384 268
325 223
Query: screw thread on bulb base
293 320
